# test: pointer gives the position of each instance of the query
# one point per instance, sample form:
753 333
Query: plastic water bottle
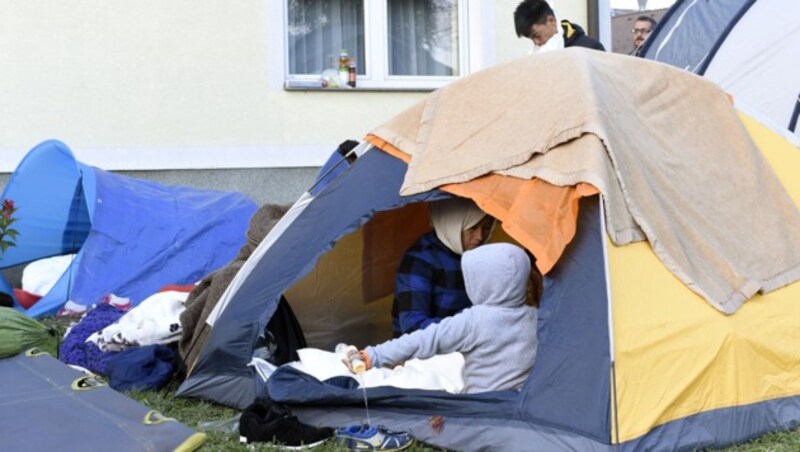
350 353
344 69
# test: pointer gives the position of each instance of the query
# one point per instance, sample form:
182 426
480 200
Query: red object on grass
25 298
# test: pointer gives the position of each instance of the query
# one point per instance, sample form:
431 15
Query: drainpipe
598 17
592 18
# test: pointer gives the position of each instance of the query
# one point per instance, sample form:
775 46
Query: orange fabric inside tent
540 216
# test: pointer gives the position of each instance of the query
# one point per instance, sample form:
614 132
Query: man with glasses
641 30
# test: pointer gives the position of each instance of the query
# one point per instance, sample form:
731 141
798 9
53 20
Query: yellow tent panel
676 356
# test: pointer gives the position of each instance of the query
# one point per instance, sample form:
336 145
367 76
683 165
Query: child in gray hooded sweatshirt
497 335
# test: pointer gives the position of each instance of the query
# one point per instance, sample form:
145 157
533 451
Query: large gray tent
749 47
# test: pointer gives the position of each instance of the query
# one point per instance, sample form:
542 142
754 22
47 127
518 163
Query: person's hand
361 355
349 365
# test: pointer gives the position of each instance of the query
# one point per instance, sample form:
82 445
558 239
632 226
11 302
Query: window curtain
319 30
423 37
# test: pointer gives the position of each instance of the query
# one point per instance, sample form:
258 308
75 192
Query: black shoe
270 422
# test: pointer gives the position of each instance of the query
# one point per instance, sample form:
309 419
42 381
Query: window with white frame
394 43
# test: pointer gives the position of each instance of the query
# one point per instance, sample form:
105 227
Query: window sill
298 85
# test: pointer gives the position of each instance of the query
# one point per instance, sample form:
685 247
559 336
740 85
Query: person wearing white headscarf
429 284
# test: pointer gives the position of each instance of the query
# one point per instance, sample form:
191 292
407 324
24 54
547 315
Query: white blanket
156 320
41 275
440 373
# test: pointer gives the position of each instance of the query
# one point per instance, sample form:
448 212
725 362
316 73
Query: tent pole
266 243
795 116
612 358
353 153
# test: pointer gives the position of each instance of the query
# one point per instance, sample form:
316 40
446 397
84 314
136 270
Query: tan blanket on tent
665 147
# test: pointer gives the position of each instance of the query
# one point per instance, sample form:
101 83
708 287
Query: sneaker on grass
375 437
265 421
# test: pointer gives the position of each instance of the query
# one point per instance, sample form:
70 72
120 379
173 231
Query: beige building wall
190 84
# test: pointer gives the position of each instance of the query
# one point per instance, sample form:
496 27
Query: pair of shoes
267 421
367 437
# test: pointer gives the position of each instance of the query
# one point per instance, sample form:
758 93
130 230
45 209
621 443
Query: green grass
771 442
197 414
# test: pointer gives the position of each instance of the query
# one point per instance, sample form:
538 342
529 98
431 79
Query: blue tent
130 236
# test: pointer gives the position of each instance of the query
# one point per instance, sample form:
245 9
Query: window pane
319 30
423 37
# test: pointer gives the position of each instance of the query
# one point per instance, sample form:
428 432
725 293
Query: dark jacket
574 36
429 286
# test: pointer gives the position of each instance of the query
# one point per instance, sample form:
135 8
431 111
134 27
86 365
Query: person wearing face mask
535 20
429 284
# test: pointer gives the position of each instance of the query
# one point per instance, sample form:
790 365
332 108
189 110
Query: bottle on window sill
344 68
352 73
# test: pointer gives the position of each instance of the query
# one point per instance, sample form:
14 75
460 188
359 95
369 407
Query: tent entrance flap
369 186
569 385
79 222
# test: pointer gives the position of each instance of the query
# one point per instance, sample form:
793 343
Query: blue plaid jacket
428 287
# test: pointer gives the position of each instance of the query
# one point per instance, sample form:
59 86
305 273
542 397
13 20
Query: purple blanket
75 349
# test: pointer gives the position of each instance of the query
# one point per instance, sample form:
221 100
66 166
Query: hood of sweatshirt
571 32
496 275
